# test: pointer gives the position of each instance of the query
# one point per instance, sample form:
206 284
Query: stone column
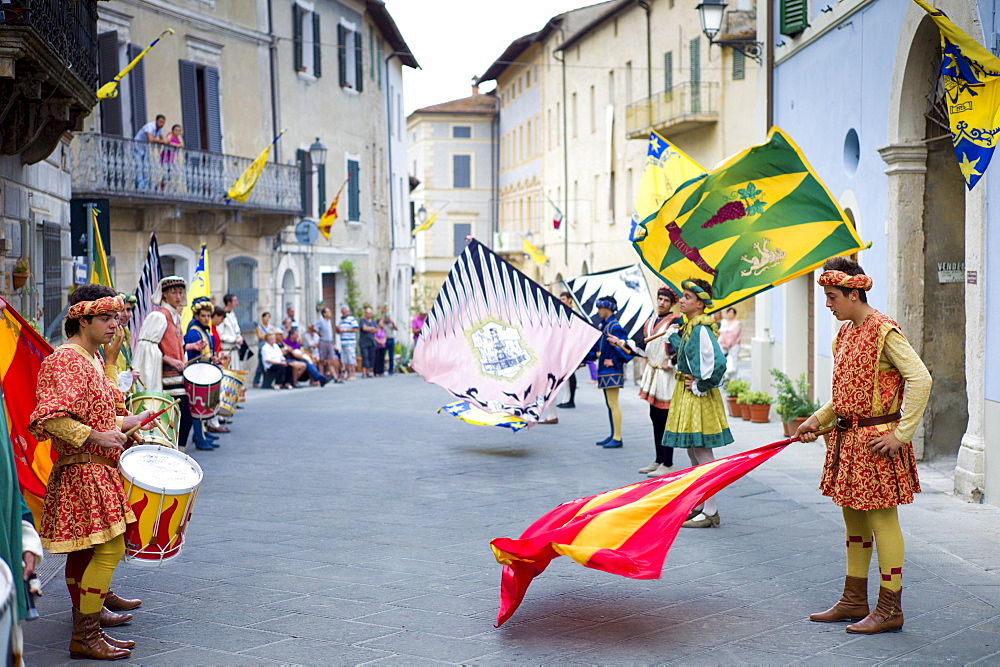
970 468
906 167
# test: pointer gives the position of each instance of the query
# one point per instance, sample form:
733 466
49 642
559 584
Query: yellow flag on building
110 89
426 224
970 75
534 252
243 186
199 286
99 271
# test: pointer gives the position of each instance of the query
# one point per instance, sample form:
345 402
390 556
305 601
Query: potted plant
742 402
733 390
21 273
794 405
759 406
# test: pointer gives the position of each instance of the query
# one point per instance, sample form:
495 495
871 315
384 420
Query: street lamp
712 12
317 153
422 213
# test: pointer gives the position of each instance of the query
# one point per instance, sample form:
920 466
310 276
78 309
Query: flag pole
90 239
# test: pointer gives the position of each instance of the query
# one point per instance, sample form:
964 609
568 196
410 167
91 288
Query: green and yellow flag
666 169
760 219
243 186
971 78
99 272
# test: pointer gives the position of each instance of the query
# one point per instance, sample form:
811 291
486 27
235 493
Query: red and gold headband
841 279
106 304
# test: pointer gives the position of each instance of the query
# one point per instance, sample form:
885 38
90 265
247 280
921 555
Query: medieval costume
197 332
86 509
873 363
610 376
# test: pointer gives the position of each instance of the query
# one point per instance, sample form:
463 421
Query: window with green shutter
668 71
794 17
739 65
695 47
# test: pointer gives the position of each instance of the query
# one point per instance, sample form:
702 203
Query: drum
169 420
7 602
203 384
232 387
243 389
161 485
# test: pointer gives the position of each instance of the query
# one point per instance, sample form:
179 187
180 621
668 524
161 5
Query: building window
573 115
306 40
695 47
241 274
794 17
461 166
739 65
461 231
312 185
354 190
349 58
52 270
200 108
461 132
668 71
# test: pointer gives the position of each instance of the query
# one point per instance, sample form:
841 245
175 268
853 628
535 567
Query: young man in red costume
870 469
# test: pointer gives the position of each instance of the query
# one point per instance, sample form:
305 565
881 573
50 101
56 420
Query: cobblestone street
351 524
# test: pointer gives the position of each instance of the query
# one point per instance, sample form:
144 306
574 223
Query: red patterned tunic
85 503
856 477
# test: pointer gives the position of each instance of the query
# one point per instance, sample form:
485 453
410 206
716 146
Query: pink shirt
417 325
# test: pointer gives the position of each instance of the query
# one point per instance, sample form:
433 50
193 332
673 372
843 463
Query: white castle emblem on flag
500 351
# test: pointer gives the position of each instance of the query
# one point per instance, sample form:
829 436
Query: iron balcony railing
116 167
69 28
684 107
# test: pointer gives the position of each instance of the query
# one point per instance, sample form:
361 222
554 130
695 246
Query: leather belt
83 457
844 424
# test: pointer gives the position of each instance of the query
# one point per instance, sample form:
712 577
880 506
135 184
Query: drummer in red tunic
870 469
86 508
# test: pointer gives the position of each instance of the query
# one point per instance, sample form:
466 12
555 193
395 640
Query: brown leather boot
887 617
88 642
852 606
115 603
110 619
119 643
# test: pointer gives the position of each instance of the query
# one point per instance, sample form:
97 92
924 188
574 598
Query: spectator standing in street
870 468
310 343
658 382
327 355
697 419
390 327
292 322
348 330
730 338
366 341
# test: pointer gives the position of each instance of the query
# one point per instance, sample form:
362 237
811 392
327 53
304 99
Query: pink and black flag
499 340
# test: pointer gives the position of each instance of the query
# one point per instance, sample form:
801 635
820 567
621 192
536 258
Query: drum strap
82 457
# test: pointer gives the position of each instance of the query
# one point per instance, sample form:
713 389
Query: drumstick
655 336
162 430
151 418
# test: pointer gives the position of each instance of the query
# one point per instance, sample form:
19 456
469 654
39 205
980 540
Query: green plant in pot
793 403
733 390
759 406
743 405
21 272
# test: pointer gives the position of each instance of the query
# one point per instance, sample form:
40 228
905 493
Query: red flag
22 350
627 531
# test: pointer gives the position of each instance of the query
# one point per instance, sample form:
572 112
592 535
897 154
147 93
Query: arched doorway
289 295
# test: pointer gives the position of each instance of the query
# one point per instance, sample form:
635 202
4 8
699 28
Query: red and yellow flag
627 531
22 350
328 218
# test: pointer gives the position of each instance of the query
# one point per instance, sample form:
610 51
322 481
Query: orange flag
22 350
627 531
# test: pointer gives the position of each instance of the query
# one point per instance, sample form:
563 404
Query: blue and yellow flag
99 271
759 219
471 414
971 78
667 168
199 286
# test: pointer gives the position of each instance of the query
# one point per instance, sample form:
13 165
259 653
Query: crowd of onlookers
327 350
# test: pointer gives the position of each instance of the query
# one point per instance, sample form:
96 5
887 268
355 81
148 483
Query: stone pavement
351 524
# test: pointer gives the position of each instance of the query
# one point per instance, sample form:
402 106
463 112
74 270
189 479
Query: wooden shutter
668 71
359 68
213 114
354 191
190 105
305 189
52 270
317 51
108 68
321 190
138 89
739 65
297 14
794 17
342 54
695 102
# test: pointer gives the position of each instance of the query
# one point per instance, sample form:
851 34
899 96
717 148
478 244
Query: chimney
475 88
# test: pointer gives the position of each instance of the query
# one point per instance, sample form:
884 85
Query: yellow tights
89 571
879 527
614 412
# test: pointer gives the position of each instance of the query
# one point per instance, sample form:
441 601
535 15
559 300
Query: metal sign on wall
951 272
